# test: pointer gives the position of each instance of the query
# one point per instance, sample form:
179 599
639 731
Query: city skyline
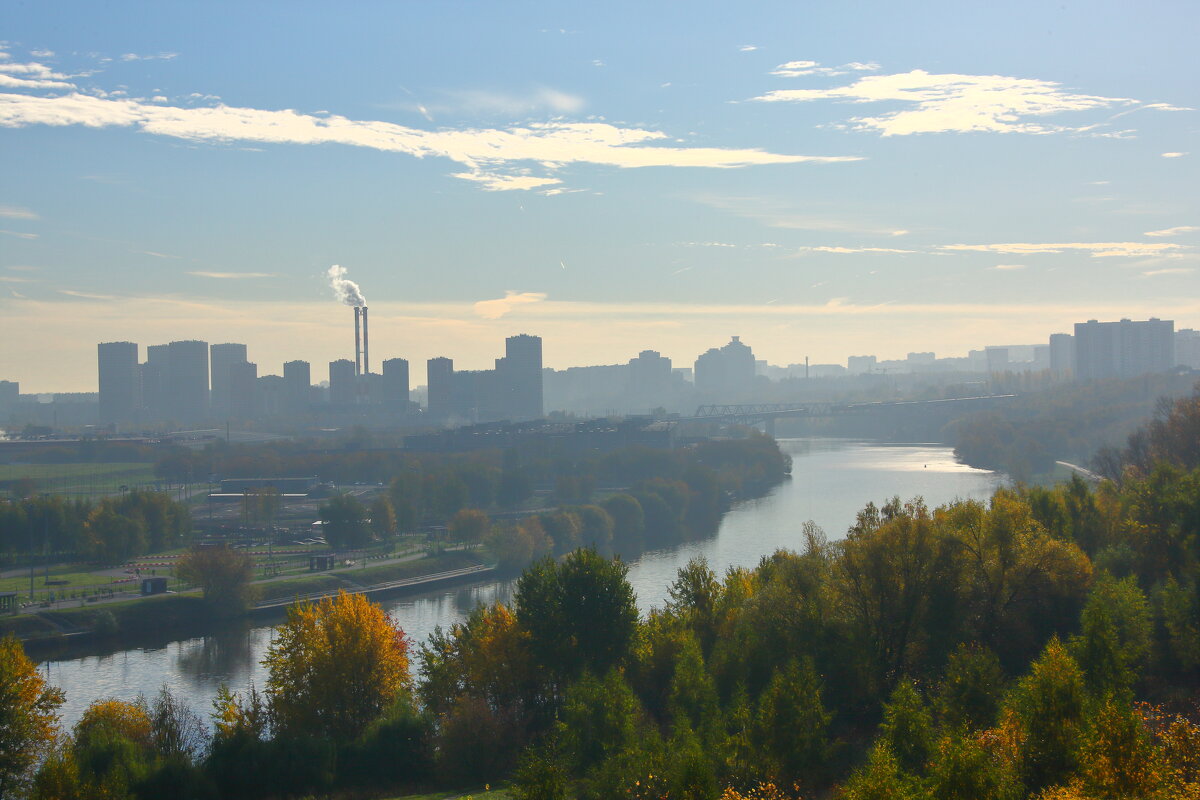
823 181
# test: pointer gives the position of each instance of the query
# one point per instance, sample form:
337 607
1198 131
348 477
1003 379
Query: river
832 479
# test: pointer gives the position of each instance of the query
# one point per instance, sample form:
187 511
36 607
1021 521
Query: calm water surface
832 479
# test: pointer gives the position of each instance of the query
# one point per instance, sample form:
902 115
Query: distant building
10 394
1062 352
243 379
187 381
997 359
343 386
270 397
918 361
297 387
727 371
223 357
861 365
395 383
1123 349
520 374
1187 348
512 391
439 377
119 381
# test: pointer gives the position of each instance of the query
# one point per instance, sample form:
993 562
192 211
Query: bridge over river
766 414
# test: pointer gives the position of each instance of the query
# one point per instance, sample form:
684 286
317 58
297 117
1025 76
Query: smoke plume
345 291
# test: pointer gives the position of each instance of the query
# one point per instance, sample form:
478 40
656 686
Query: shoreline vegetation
666 497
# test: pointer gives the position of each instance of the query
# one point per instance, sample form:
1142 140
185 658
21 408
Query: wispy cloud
1003 267
780 214
1178 229
14 279
495 309
477 102
949 102
748 48
516 157
86 295
20 234
1156 273
232 276
150 57
1095 249
849 250
157 254
16 212
799 69
1173 155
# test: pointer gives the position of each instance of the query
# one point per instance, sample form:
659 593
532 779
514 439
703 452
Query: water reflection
229 652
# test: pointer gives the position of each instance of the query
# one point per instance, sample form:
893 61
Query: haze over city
823 180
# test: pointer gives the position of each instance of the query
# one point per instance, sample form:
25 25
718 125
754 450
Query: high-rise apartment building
1187 348
1123 349
439 380
297 387
395 383
223 357
1062 352
343 386
187 381
119 381
725 372
520 376
243 401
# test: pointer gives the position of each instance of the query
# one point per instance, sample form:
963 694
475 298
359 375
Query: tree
223 574
343 520
383 517
469 526
793 723
28 718
629 522
1114 640
335 666
579 615
1047 707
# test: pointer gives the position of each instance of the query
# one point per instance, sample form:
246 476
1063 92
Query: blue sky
824 179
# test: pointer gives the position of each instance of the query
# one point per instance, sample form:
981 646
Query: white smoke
345 291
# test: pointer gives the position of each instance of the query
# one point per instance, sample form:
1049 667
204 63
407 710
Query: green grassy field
81 480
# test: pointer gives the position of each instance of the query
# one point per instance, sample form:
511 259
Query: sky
823 179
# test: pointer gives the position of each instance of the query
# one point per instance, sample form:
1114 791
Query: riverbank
122 623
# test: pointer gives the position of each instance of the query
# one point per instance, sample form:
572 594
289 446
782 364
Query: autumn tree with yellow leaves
335 667
28 716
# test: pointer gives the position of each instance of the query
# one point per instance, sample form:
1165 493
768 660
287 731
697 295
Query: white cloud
495 309
1173 155
20 234
151 57
848 250
231 275
14 279
1009 266
951 102
86 295
1154 273
799 69
748 48
16 212
494 157
479 102
1095 249
1178 229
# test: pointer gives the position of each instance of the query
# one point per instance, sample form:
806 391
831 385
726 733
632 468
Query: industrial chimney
357 342
366 344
